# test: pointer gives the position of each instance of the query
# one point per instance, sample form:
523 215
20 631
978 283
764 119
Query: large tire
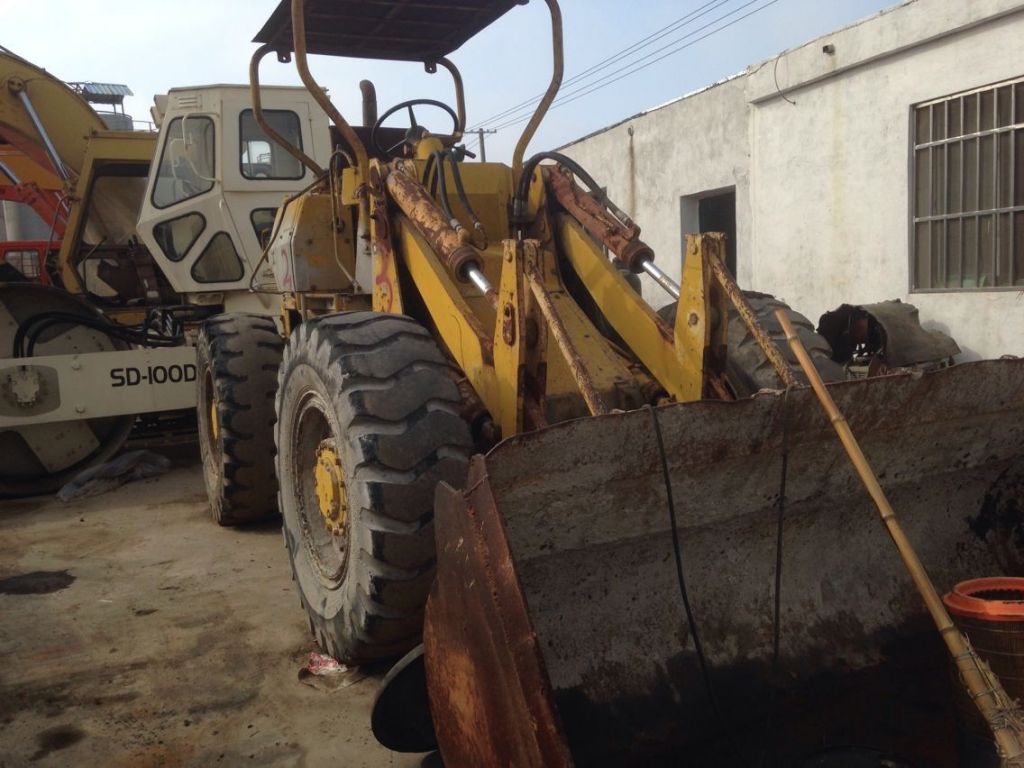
370 397
238 356
748 370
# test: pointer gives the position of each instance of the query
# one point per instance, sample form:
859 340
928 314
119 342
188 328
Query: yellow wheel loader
615 555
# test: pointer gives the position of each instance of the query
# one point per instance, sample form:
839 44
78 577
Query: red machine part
28 257
47 203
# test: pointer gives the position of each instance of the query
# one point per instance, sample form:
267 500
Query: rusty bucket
990 611
556 634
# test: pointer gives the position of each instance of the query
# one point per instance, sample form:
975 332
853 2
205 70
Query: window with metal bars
967 183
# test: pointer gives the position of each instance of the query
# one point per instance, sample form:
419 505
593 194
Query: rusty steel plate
556 572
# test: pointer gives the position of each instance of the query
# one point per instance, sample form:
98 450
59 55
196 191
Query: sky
155 45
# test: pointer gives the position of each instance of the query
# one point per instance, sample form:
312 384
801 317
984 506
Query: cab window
186 162
219 262
261 157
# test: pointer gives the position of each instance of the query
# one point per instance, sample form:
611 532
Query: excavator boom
44 119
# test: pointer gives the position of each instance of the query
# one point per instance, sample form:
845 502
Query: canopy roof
403 30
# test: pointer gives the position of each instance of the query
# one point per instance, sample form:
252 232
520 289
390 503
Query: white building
883 161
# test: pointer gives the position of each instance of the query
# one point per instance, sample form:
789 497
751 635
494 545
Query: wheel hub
214 421
331 495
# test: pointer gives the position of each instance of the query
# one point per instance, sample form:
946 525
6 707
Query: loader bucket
555 633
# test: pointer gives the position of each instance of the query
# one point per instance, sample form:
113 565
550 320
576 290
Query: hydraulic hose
31 329
523 188
463 198
436 164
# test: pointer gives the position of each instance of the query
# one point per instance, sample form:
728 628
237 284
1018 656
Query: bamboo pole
1002 714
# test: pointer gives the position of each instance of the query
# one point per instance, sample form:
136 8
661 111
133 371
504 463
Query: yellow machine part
117 208
331 494
68 118
28 170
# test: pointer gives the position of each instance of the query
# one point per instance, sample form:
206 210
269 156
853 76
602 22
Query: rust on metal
486 433
994 704
257 113
489 691
621 239
557 70
508 324
301 64
745 311
460 96
617 649
429 220
577 365
385 288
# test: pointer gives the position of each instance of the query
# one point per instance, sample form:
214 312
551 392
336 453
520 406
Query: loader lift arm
560 525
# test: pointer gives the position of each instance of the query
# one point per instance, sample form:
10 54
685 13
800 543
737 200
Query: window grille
967 182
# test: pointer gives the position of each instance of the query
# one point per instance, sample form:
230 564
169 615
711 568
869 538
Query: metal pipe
749 317
558 68
479 279
1001 713
617 233
430 221
369 92
11 175
666 282
577 367
460 98
257 113
51 150
318 93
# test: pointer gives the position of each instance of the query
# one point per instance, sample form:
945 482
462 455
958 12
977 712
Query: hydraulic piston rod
18 86
477 278
666 282
6 171
461 259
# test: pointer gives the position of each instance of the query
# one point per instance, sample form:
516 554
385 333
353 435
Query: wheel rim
331 494
321 492
214 418
209 418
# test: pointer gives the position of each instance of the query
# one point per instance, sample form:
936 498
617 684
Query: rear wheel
238 357
748 370
368 423
41 457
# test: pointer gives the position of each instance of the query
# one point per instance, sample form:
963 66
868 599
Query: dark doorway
717 213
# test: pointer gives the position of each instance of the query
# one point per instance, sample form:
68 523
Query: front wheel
368 423
238 356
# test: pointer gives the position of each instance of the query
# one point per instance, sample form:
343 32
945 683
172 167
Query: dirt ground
141 634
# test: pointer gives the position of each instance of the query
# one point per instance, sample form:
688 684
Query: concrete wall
823 184
688 147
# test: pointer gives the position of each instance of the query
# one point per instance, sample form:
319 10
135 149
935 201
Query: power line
605 63
612 78
631 67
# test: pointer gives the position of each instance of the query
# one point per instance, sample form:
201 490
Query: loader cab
218 180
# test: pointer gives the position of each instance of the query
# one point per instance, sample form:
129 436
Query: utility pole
481 132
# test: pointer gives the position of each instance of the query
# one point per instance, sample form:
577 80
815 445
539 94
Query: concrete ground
159 639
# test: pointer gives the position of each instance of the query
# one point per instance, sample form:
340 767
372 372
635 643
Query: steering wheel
415 130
